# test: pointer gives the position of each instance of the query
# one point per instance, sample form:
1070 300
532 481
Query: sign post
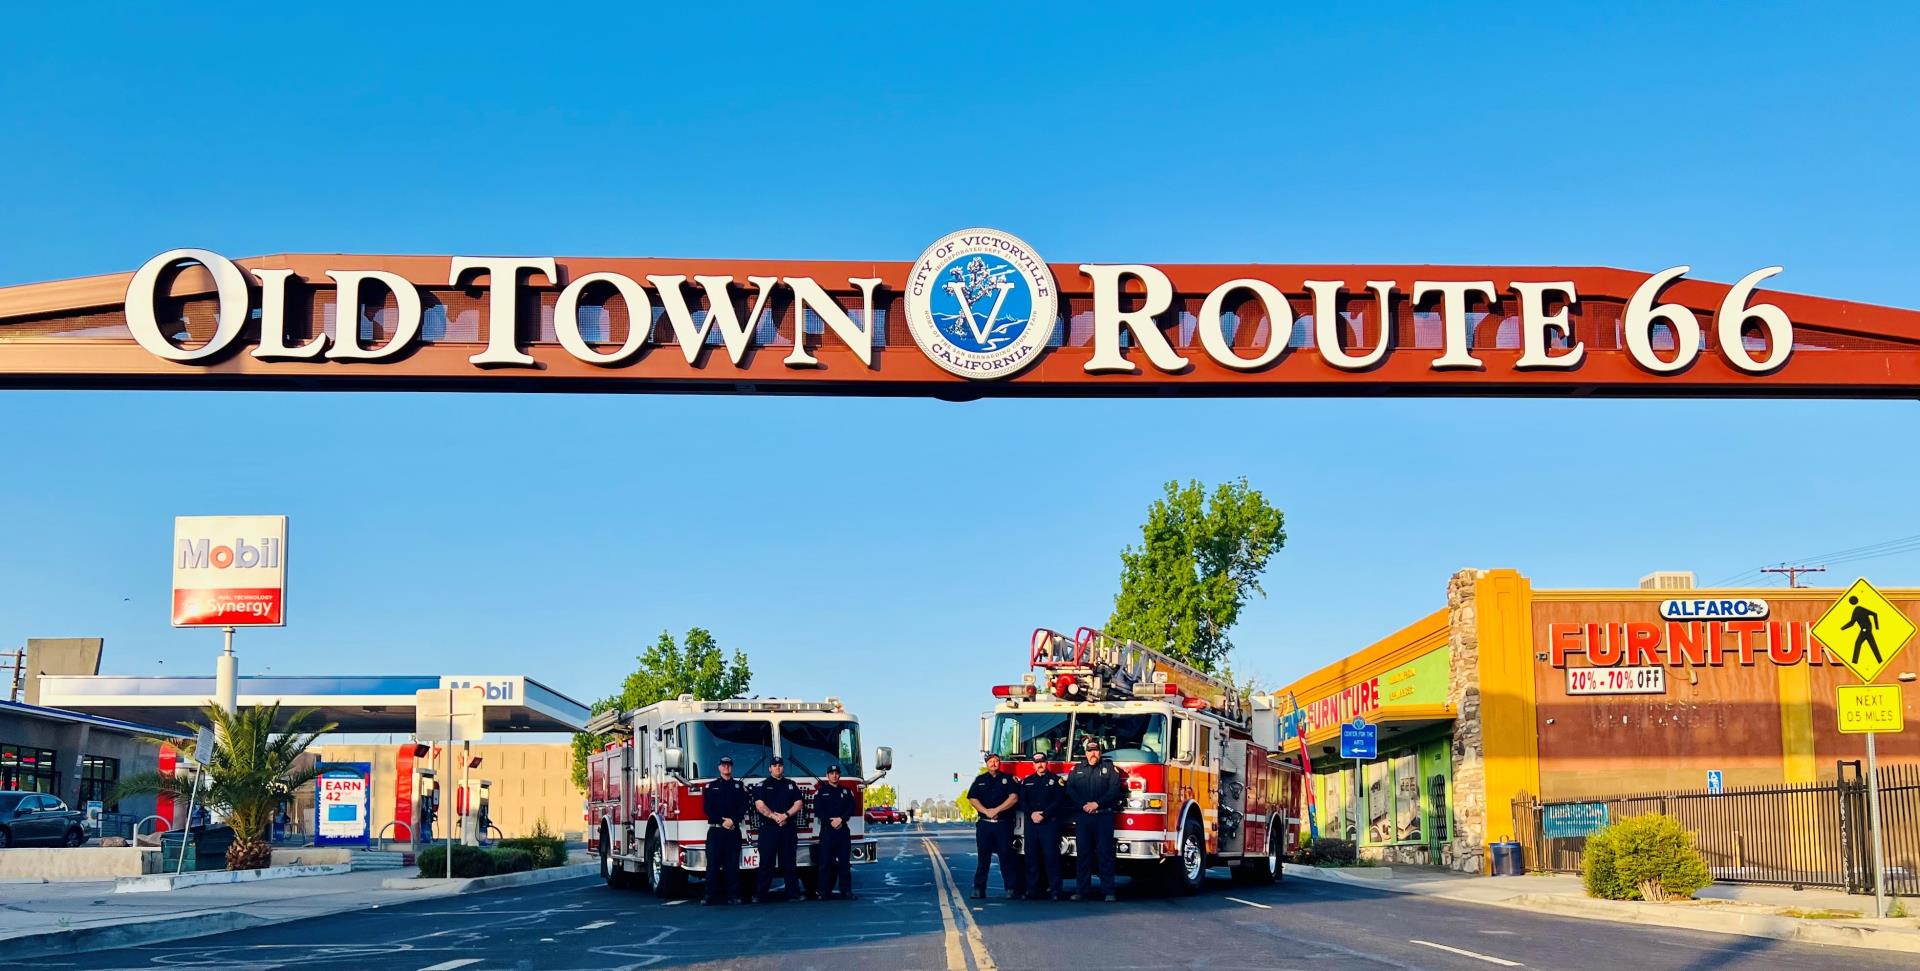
449 715
1878 631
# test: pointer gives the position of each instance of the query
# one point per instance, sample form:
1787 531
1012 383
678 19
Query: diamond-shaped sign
1864 630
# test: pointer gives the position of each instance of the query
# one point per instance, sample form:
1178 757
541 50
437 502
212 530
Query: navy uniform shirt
1043 794
777 794
992 789
834 802
1101 784
726 799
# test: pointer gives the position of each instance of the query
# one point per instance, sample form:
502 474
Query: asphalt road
909 916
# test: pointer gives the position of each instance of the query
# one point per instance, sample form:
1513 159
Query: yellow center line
976 942
955 960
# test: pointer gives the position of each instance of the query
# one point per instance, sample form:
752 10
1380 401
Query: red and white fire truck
1206 784
645 816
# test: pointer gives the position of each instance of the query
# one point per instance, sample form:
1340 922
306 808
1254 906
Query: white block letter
1213 336
1456 354
1534 324
808 294
273 321
503 339
1326 324
738 336
229 285
1108 318
346 315
566 318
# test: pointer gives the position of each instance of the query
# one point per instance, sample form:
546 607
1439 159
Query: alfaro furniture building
1508 693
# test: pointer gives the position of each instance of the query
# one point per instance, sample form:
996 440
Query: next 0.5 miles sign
229 571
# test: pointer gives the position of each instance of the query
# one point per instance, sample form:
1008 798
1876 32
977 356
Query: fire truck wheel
609 870
1187 872
1263 870
669 882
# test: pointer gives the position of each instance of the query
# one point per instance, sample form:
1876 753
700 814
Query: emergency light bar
1021 691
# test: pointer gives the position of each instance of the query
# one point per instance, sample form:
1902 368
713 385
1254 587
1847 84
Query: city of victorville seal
981 303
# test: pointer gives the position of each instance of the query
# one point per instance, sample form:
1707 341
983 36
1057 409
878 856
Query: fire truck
1206 784
645 816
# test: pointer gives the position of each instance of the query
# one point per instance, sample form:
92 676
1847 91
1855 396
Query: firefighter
1043 799
1095 789
993 795
777 800
726 817
835 806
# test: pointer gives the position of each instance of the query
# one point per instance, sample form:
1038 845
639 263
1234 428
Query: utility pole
1793 572
19 667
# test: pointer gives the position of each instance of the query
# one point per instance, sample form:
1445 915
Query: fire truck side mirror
676 759
986 734
883 758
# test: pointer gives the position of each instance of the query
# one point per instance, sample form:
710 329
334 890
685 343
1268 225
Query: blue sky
896 553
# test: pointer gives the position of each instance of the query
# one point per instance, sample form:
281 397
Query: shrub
545 851
1648 857
510 861
1328 851
468 861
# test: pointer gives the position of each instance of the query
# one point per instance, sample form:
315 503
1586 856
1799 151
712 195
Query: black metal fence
1812 835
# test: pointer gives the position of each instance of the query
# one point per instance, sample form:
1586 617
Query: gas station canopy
514 703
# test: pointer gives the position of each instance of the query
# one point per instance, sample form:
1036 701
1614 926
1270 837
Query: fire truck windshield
810 746
749 742
1123 737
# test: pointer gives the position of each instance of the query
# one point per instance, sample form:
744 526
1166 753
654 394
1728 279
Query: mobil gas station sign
229 571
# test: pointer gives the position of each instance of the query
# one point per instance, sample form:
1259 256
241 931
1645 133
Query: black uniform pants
996 837
1042 850
1093 847
723 863
778 845
835 864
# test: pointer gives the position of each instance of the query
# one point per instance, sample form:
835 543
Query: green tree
253 770
967 813
881 795
1183 587
668 670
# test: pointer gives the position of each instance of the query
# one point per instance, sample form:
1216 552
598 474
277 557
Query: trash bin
1507 859
170 851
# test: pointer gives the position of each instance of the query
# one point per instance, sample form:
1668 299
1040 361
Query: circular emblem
981 303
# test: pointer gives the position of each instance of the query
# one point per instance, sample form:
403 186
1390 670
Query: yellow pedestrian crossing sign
1864 630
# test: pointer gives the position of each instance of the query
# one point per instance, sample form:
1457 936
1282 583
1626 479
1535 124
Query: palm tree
252 770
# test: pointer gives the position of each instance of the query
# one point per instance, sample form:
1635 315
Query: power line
1793 572
1891 547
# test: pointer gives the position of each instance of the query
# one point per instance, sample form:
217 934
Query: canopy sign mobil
229 571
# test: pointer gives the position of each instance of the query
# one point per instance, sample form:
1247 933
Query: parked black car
37 819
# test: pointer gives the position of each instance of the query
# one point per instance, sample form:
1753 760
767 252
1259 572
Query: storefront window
1406 798
27 769
1379 789
98 776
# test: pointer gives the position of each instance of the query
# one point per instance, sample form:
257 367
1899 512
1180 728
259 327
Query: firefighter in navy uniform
835 806
1043 802
1095 790
993 794
726 801
777 799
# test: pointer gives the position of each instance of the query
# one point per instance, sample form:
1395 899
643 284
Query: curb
177 927
163 882
498 882
1855 934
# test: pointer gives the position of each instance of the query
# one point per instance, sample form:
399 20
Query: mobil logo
202 554
497 689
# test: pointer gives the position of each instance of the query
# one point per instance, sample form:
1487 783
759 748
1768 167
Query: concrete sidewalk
39 919
1751 911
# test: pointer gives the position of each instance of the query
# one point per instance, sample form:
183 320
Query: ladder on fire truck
1096 666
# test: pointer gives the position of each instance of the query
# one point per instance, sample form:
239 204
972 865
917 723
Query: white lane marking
596 925
674 903
1503 962
450 965
1250 903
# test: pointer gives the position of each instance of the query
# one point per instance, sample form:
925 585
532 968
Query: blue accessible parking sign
1359 740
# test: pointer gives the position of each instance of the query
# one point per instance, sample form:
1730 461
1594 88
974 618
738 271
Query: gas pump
426 806
474 811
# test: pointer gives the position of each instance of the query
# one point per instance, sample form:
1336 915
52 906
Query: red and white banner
229 571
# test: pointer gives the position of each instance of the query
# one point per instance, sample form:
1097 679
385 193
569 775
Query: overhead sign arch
980 313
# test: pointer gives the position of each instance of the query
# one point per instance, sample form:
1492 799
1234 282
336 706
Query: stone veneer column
1467 848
